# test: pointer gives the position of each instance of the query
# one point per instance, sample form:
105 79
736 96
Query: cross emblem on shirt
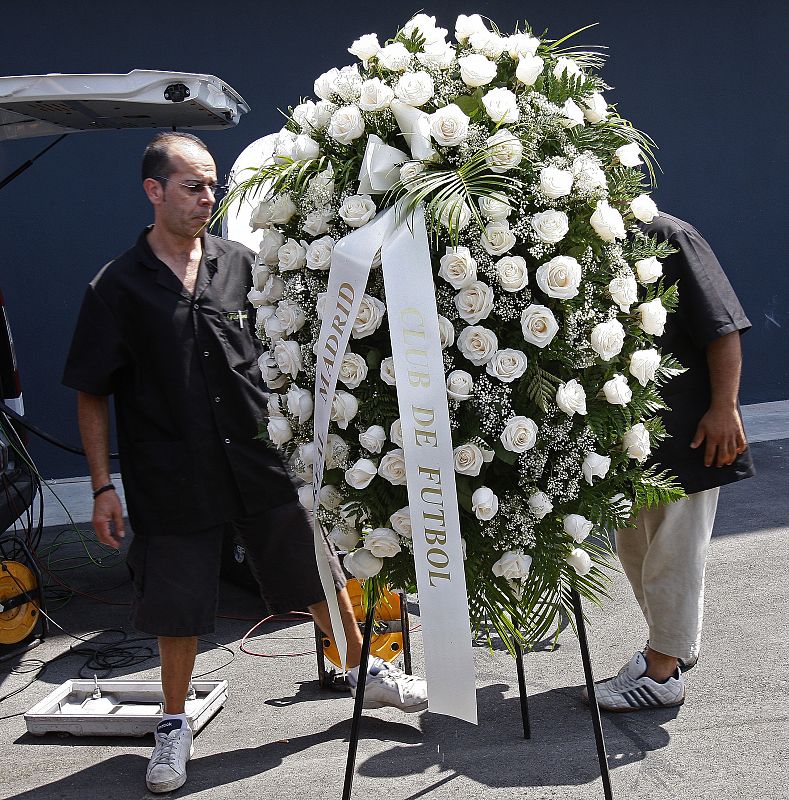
239 315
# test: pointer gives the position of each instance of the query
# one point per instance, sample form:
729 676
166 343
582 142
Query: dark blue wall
708 81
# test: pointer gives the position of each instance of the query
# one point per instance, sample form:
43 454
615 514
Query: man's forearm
724 362
94 427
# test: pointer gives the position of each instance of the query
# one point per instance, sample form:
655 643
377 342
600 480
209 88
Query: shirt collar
212 250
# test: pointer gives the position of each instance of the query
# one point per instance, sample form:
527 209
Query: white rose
362 564
494 209
361 473
305 497
344 539
477 344
401 522
572 114
460 385
550 226
475 302
260 275
291 256
438 55
644 364
348 85
607 222
560 277
330 497
387 371
270 372
305 148
273 327
375 95
410 170
392 467
288 357
555 183
587 170
300 403
468 459
522 44
596 109
617 392
652 317
489 44
458 268
396 432
319 253
373 438
446 332
357 210
566 65
580 561
427 28
607 339
465 26
449 125
344 407
540 504
325 83
353 370
476 70
595 466
336 450
649 270
501 105
394 57
498 238
577 526
382 542
271 242
283 209
529 69
539 325
283 146
317 221
321 116
484 503
571 398
636 442
365 47
368 318
512 273
261 315
414 88
514 565
346 124
643 208
519 434
623 290
279 431
504 151
261 216
455 212
507 365
270 293
629 155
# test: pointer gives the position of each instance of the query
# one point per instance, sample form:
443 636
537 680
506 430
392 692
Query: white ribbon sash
427 441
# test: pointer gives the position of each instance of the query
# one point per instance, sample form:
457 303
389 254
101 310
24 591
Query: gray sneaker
167 767
388 686
632 690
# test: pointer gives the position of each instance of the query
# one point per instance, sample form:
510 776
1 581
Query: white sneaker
632 690
167 767
388 686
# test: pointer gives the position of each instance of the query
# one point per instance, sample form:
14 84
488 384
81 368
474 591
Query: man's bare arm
721 427
94 427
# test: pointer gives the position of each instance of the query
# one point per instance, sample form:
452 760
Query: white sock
372 663
182 717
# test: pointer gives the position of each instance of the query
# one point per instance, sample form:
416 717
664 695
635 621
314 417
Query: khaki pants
664 559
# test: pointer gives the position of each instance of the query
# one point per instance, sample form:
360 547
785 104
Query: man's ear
154 190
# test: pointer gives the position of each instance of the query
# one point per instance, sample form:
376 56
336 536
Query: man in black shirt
166 328
664 556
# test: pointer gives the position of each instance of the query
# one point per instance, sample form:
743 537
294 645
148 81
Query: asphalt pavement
280 736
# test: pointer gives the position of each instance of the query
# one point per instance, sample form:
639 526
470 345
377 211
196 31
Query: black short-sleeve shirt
188 392
708 309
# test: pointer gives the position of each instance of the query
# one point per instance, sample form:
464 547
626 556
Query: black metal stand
602 756
358 705
524 697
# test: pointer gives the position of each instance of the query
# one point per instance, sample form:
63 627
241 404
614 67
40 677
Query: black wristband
108 487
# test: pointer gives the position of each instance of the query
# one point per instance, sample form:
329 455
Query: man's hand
108 519
721 429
